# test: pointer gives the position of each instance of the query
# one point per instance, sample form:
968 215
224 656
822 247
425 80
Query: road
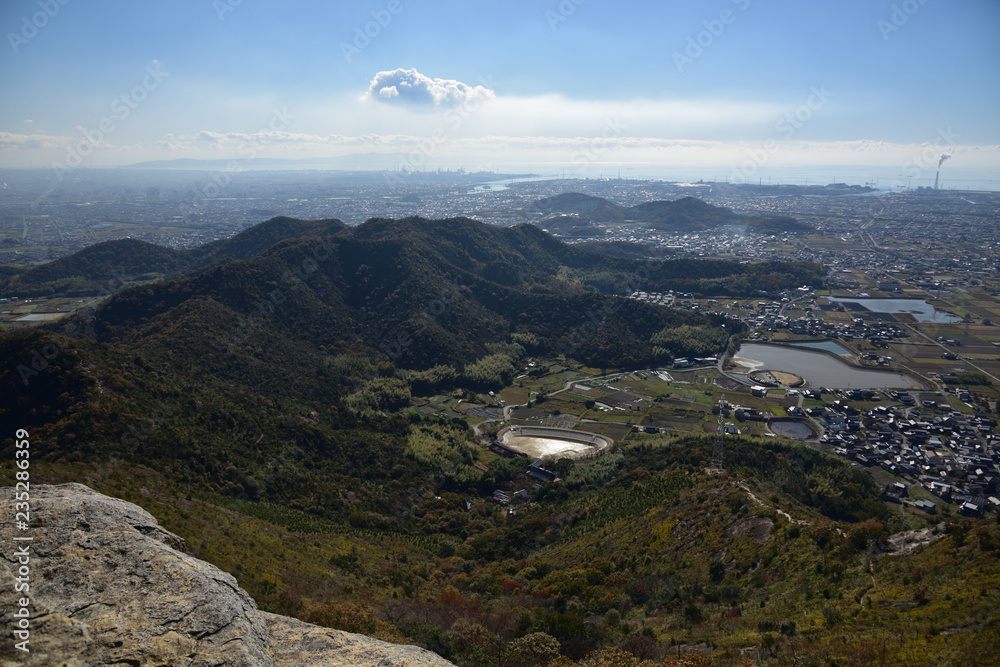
807 295
722 362
964 360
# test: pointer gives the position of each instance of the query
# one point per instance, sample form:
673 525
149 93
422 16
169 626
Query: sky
737 89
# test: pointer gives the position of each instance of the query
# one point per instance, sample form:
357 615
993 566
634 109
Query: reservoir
920 309
40 317
552 443
791 429
828 345
817 368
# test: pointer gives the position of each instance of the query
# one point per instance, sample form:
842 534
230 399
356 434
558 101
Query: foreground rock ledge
109 586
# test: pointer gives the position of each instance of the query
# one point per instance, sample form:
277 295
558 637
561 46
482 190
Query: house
926 506
503 450
895 491
940 489
536 471
742 413
970 509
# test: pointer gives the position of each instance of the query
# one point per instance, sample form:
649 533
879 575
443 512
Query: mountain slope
682 215
258 238
574 213
596 208
109 266
310 339
102 268
278 347
445 288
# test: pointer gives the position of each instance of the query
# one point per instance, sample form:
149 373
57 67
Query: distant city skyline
734 89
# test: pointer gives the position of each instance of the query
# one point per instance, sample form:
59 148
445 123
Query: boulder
109 586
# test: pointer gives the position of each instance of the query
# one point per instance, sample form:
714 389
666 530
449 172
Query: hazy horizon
881 178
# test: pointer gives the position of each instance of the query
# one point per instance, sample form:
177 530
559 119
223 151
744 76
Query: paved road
721 363
798 298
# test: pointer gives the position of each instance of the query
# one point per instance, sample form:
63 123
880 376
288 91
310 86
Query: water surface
920 309
828 345
818 369
791 429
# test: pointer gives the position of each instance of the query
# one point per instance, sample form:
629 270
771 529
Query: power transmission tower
718 452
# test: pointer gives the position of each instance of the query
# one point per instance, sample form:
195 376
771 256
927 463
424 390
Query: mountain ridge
380 279
108 266
575 212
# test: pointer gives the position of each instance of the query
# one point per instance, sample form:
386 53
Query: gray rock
109 586
300 644
757 528
908 541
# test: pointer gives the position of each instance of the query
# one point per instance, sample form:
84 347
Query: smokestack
944 156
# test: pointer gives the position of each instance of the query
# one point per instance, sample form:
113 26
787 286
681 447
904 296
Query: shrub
641 647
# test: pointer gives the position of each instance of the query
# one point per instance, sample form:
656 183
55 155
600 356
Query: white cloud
12 141
410 88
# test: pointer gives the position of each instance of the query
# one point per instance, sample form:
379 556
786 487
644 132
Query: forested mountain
574 214
111 265
444 287
304 336
595 208
295 317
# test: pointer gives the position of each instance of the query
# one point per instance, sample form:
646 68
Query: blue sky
739 85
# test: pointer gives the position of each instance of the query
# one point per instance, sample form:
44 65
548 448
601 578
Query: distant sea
886 179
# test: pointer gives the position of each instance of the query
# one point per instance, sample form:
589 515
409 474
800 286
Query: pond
791 429
920 309
40 317
544 442
828 345
818 369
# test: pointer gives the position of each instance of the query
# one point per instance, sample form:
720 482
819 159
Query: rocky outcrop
906 542
109 586
757 529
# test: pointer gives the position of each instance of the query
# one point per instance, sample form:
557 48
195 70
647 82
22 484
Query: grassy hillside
640 551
